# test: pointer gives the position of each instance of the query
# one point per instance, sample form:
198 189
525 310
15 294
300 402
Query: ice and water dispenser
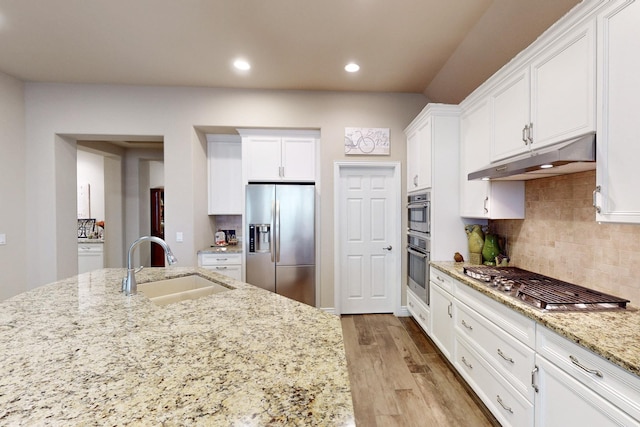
259 237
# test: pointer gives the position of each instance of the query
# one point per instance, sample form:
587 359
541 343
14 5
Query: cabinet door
442 319
475 143
509 115
618 105
225 178
563 88
298 159
563 401
264 158
413 153
419 154
425 133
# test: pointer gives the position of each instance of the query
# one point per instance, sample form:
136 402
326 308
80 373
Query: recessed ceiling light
352 67
242 64
547 166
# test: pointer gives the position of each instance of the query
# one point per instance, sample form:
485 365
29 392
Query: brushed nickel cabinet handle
595 203
505 407
469 327
576 362
508 359
467 364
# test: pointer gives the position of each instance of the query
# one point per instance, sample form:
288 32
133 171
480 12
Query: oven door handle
416 253
418 205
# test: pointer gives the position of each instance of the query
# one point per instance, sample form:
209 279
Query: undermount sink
163 292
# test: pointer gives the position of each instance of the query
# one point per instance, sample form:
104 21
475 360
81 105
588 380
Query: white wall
176 114
90 171
13 255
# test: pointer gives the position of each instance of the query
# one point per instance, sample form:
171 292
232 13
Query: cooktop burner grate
545 292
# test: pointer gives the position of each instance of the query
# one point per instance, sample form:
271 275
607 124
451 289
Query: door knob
388 248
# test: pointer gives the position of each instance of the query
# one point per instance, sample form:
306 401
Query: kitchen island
80 352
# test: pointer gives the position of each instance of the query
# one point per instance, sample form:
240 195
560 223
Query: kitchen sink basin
163 292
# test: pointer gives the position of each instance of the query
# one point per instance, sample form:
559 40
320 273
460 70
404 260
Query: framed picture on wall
366 141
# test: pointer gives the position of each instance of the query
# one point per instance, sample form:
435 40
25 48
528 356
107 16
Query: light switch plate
3 239
179 237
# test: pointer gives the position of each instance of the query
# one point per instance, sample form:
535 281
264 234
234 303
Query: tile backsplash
559 237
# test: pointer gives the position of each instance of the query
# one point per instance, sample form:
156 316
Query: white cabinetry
419 310
438 130
549 99
484 199
90 257
224 167
441 298
419 154
597 392
618 105
279 155
227 264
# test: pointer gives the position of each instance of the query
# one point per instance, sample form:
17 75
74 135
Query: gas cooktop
544 292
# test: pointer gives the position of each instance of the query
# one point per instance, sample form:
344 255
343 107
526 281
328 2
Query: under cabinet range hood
575 155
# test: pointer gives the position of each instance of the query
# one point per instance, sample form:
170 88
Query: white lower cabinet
523 372
564 401
90 257
442 319
569 376
419 310
229 265
508 406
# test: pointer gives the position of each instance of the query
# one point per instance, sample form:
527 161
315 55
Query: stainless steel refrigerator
280 242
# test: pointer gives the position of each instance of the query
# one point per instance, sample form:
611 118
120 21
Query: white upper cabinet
484 199
617 198
549 99
419 154
279 155
224 166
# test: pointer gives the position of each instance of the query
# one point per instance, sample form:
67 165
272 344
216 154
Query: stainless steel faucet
129 285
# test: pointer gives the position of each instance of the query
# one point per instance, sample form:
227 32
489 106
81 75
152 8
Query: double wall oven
419 243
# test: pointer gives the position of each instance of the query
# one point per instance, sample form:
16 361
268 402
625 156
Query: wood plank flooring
399 378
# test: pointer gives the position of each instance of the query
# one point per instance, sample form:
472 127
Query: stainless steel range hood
575 155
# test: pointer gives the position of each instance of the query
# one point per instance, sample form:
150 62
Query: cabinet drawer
514 360
606 379
419 311
439 278
517 325
220 259
505 403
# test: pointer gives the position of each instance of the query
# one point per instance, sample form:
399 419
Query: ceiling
441 48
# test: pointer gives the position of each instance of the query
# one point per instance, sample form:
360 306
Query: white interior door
368 229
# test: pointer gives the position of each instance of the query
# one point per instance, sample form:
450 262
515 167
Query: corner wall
13 255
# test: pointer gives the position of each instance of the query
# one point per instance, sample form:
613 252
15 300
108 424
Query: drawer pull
469 327
410 304
575 361
221 268
440 278
422 317
221 259
467 364
508 359
505 407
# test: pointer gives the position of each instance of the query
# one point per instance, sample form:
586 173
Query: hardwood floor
399 378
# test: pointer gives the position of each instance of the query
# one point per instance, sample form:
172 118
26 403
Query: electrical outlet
179 236
3 239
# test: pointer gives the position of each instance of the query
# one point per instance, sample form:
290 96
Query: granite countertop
611 334
87 240
231 249
79 352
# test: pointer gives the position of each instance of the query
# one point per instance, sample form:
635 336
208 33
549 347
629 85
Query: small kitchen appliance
418 248
419 212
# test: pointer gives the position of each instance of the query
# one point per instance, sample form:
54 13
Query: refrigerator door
260 209
295 242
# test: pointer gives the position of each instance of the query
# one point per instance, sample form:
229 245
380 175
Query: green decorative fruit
490 249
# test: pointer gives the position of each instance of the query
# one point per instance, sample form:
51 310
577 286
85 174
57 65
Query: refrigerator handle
272 231
277 221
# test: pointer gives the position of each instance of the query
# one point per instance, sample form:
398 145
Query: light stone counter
614 335
79 352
